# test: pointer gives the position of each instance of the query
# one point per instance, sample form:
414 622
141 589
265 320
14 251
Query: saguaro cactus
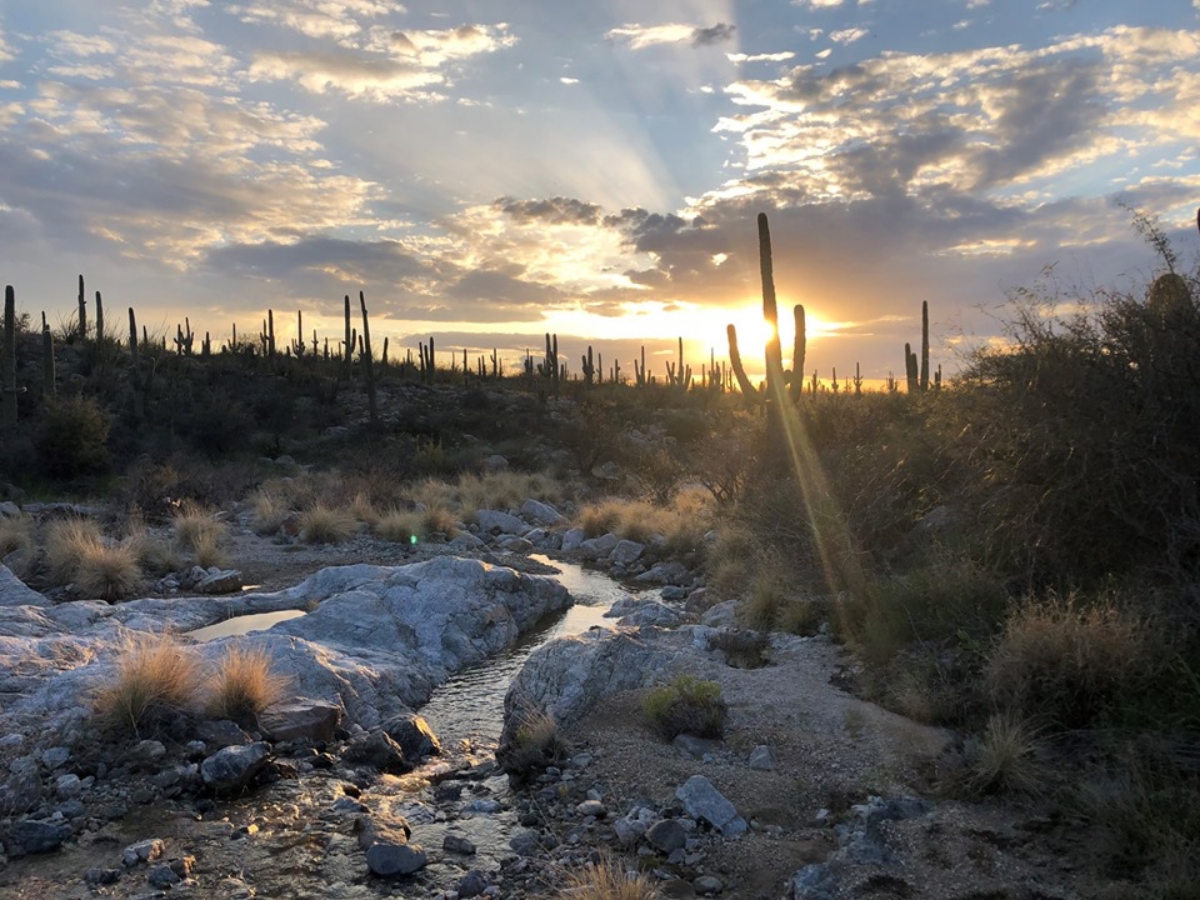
774 353
799 350
8 370
911 369
924 374
368 366
99 319
735 362
49 385
82 312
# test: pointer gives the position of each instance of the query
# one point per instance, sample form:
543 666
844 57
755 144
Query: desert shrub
728 560
72 439
799 615
244 684
198 531
16 535
600 518
108 570
156 555
1006 759
686 705
608 881
156 681
269 510
1074 663
681 523
323 524
536 743
362 507
400 525
767 596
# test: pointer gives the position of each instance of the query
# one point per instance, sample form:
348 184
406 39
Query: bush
65 540
536 743
608 881
198 531
72 441
686 706
16 535
77 552
1074 664
1005 760
270 511
156 681
742 649
326 525
244 685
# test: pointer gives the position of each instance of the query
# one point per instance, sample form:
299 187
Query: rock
666 835
708 885
565 677
220 734
21 788
222 581
591 808
456 843
413 735
495 463
472 884
233 768
542 513
627 552
162 876
464 540
703 801
698 601
652 613
14 592
388 851
493 521
378 751
526 843
55 757
33 836
147 751
101 876
762 759
610 471
572 539
671 572
301 719
630 828
67 787
9 510
696 747
599 547
512 544
721 615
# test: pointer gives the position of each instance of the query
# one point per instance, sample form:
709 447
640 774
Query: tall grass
244 684
78 552
156 679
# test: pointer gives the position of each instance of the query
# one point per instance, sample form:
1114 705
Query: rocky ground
813 793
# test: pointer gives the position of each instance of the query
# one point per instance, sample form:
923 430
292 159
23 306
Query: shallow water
243 624
471 704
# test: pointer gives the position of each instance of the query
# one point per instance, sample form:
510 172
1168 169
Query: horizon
591 172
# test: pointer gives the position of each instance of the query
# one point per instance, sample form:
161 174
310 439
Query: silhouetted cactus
368 365
49 382
82 312
99 319
589 367
924 373
799 351
739 371
774 352
8 369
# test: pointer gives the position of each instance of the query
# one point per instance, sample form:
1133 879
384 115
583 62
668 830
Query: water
471 704
243 624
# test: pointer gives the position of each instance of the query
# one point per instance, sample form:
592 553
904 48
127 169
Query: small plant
326 525
536 743
1005 760
608 881
244 685
16 535
77 552
742 649
156 680
766 599
686 705
270 511
65 539
200 533
399 525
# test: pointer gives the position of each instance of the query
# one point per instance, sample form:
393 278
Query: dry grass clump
504 490
1005 761
400 525
199 532
363 509
681 524
686 705
244 684
608 881
769 593
536 744
156 680
742 649
728 561
323 524
16 535
270 510
1072 663
77 552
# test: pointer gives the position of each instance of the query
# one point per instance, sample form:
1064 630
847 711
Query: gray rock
674 593
413 735
378 751
542 513
232 768
762 759
472 884
101 876
388 859
162 876
67 787
627 552
494 521
301 719
703 801
495 463
33 836
221 733
572 539
698 601
666 835
599 547
630 828
512 544
708 885
696 747
464 540
147 751
55 757
9 510
667 573
21 788
591 808
14 592
652 613
222 581
456 843
526 843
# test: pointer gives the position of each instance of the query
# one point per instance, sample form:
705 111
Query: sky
486 172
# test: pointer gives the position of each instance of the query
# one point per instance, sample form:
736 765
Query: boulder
512 544
219 581
666 836
413 735
389 854
762 759
572 539
653 613
493 521
599 547
301 719
703 801
377 751
627 552
541 513
671 572
233 768
34 836
14 592
21 788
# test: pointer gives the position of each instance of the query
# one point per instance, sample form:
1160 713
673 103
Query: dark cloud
554 211
714 34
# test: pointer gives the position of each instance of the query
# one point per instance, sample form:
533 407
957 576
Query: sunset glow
486 174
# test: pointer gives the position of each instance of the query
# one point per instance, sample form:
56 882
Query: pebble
143 851
708 885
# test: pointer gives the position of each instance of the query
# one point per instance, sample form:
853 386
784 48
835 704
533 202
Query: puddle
243 625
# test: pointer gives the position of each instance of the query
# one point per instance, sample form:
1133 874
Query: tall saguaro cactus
368 364
99 319
799 350
82 312
8 368
924 373
49 382
774 353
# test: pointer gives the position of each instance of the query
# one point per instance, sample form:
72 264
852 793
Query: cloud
782 56
639 37
847 36
337 20
557 210
818 4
